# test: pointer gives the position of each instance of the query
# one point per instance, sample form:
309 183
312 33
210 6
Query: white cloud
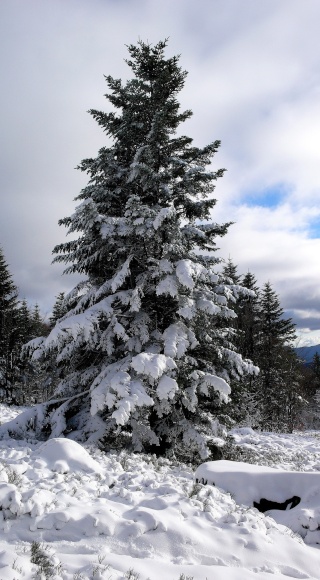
274 245
254 83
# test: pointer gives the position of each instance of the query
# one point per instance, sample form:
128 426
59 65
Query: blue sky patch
270 197
314 229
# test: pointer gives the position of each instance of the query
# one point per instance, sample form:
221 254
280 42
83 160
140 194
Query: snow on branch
114 389
208 306
167 387
164 213
176 340
168 286
152 365
205 380
121 275
188 308
135 397
187 271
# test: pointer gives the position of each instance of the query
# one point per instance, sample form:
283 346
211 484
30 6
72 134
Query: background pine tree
273 398
8 329
277 362
310 385
242 408
59 309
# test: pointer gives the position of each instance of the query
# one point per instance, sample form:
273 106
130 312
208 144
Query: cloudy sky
253 83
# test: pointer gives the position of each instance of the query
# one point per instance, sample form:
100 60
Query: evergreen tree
230 271
24 322
28 381
8 328
38 325
19 388
311 392
276 359
146 346
248 318
290 400
315 366
59 309
242 407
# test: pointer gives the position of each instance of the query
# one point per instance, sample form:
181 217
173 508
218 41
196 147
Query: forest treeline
21 380
284 394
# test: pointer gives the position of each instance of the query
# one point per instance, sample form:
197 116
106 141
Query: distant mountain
306 353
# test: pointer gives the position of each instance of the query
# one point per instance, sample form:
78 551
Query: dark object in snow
216 452
203 481
267 504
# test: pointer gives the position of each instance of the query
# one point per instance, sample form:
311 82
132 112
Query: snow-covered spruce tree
144 348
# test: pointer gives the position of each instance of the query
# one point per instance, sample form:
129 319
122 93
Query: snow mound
249 484
64 455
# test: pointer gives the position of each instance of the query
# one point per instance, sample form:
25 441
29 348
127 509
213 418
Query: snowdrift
295 495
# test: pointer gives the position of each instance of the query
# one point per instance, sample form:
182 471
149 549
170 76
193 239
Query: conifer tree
59 309
146 345
242 407
24 322
27 379
19 383
276 359
311 392
230 271
248 318
38 325
315 366
8 327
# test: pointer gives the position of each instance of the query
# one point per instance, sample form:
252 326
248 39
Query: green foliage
132 575
273 398
8 327
230 271
59 309
277 385
20 381
43 560
315 366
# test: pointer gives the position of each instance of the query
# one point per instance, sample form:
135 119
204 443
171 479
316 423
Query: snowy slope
116 516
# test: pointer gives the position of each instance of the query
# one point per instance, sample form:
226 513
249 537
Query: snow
176 340
250 483
188 272
98 515
121 275
164 213
152 365
167 387
168 286
206 380
59 453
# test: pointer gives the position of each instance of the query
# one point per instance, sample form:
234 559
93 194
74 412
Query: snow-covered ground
83 514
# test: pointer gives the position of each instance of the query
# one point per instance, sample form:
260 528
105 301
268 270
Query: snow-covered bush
145 348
